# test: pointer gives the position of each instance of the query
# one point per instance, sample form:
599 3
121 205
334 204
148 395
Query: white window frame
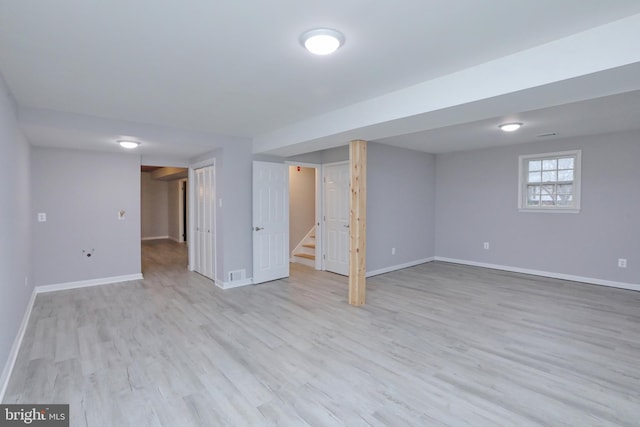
522 181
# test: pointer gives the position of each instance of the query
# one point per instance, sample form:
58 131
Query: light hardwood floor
437 344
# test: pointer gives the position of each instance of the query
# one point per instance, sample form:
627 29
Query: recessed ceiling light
510 127
322 41
125 143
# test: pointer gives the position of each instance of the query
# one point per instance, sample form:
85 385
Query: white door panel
270 221
336 184
204 221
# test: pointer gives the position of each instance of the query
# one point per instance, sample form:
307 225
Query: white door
270 221
204 221
336 218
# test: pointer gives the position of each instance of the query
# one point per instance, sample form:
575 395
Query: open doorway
305 236
183 206
319 215
163 216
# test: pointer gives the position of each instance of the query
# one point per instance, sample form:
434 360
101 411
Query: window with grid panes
550 182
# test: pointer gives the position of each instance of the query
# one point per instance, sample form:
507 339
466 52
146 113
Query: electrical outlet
486 245
42 217
622 262
393 251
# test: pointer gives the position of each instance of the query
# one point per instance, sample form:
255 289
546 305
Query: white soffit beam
596 50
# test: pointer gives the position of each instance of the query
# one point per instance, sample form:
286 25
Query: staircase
305 252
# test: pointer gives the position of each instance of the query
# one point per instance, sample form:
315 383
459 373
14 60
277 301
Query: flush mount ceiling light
126 143
510 127
322 41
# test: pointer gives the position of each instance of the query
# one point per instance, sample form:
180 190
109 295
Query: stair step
307 256
313 236
309 245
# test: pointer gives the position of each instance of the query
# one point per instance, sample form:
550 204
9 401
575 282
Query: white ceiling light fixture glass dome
510 127
127 143
322 41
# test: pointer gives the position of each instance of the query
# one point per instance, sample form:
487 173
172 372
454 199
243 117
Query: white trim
551 210
321 255
181 210
17 343
15 348
235 284
577 178
301 164
88 283
319 223
341 162
191 250
163 163
191 214
588 280
304 261
203 164
156 238
398 267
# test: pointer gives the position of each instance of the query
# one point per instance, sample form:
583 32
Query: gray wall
237 176
331 155
477 202
81 192
233 171
174 205
154 206
400 202
15 226
302 203
400 206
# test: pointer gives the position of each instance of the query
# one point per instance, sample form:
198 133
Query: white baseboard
156 238
8 368
15 348
235 284
398 267
87 283
589 280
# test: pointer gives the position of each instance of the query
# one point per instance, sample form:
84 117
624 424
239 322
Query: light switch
42 217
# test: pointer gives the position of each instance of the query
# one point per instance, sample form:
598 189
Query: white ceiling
236 67
596 116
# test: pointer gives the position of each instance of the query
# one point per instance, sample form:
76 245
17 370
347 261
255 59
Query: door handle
346 226
259 228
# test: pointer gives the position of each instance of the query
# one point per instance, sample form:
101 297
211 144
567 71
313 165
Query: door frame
342 162
183 233
319 189
191 214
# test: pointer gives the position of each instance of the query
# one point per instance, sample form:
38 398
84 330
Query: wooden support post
358 222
